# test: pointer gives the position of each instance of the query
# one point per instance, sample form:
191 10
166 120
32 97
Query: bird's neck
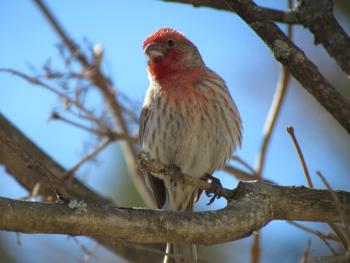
162 69
178 83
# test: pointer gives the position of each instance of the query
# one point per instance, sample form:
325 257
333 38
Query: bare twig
89 156
270 124
306 256
105 87
272 117
320 234
57 116
340 209
239 174
290 130
332 259
275 108
111 135
87 252
256 248
244 163
66 98
340 236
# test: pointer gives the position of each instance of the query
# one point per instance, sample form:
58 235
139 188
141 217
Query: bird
188 122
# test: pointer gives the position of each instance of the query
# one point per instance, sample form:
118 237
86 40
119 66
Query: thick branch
319 18
316 15
276 15
30 166
255 205
287 53
11 156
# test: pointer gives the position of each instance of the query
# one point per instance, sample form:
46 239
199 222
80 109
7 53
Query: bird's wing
156 185
145 113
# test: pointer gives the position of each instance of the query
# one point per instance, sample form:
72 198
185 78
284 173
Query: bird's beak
153 51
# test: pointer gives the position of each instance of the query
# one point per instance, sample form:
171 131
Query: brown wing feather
154 184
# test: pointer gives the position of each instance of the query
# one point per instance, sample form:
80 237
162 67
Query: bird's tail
180 198
176 253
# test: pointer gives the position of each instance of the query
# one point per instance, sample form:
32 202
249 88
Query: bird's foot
176 175
217 186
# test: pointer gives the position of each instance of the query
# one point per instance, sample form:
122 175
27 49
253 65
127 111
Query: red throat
166 66
181 84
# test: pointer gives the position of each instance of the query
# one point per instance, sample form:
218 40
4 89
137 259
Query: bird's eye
170 43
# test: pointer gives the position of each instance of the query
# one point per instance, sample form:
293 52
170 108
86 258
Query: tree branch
104 85
276 15
10 157
315 15
17 152
303 70
254 205
287 53
318 17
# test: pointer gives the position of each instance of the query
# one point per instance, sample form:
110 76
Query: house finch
188 120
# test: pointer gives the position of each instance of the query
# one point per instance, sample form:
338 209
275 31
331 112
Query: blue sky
227 45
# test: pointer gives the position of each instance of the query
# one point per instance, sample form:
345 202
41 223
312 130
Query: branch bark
318 17
315 15
255 204
17 151
303 70
21 158
287 53
276 15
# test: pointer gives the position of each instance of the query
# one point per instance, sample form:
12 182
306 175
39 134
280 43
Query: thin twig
270 124
59 29
332 259
290 130
86 158
244 163
113 136
57 116
87 252
239 174
341 237
320 234
104 85
256 248
306 256
338 205
273 114
330 247
68 99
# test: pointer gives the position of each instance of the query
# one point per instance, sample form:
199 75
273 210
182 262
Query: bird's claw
176 174
216 194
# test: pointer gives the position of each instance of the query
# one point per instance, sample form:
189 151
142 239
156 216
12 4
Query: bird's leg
215 182
176 175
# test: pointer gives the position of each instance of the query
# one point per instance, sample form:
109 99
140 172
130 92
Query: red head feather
164 34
